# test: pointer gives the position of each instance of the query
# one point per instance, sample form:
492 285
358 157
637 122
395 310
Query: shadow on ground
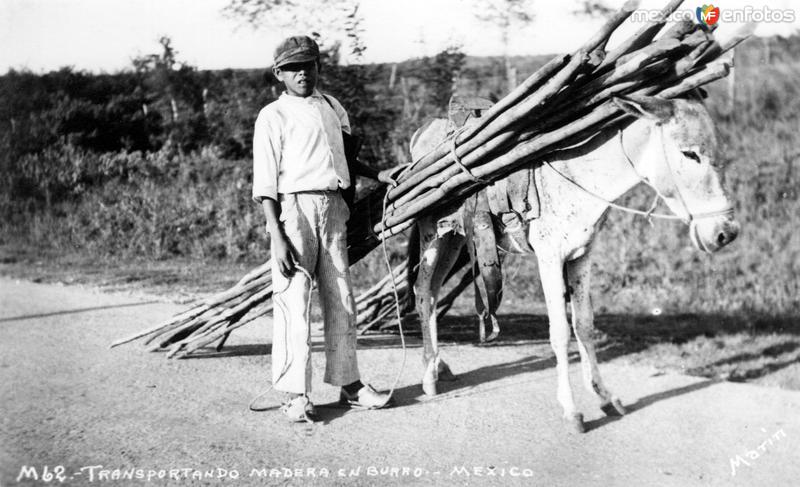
711 346
649 400
737 348
74 311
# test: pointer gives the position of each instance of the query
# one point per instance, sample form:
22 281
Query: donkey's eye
692 155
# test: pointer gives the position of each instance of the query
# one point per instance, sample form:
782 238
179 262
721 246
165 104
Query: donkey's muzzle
712 234
728 233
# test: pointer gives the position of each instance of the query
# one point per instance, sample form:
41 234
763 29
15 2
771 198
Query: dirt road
69 401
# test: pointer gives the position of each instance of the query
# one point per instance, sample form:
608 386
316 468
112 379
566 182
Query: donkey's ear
650 107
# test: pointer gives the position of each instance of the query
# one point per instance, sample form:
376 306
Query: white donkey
671 147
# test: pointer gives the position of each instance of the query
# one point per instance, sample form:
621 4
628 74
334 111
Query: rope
648 214
692 216
287 361
672 175
398 312
458 162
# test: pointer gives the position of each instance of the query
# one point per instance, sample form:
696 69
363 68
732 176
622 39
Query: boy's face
300 78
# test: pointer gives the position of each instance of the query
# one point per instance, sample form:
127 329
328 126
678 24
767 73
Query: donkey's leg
551 273
451 246
413 263
480 294
438 256
578 276
489 284
495 292
444 304
426 306
479 288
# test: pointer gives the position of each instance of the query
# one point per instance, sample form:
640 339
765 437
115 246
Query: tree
355 33
333 21
172 89
593 8
505 15
440 74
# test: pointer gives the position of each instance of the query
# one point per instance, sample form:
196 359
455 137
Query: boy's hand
388 175
281 248
282 253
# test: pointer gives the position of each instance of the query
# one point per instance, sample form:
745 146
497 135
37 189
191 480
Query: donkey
670 146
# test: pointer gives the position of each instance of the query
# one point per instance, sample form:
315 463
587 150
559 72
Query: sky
105 35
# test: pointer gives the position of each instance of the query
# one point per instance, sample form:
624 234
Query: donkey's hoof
492 336
445 373
576 423
613 408
429 388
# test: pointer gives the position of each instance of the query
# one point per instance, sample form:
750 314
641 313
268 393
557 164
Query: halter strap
659 195
649 214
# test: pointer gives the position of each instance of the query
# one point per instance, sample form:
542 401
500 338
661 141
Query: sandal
366 398
300 410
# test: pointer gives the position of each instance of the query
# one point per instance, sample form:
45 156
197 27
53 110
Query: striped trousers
315 225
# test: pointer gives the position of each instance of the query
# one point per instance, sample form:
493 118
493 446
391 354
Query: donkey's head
676 150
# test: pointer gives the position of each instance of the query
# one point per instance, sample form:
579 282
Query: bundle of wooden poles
567 101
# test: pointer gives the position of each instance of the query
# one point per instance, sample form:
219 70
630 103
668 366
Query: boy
299 170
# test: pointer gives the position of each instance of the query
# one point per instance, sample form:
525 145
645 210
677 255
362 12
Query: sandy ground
72 406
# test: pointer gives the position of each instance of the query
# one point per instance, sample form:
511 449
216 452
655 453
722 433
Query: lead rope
398 313
287 360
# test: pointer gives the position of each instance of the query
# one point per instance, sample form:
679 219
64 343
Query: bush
154 205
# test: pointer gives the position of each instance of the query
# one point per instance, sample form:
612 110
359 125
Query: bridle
659 196
727 210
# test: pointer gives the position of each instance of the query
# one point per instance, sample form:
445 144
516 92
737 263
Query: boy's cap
296 49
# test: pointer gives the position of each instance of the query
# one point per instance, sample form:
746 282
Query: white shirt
297 146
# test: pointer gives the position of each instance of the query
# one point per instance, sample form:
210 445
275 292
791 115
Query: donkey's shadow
470 383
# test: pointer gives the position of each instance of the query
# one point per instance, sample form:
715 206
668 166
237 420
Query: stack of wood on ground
567 101
377 303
